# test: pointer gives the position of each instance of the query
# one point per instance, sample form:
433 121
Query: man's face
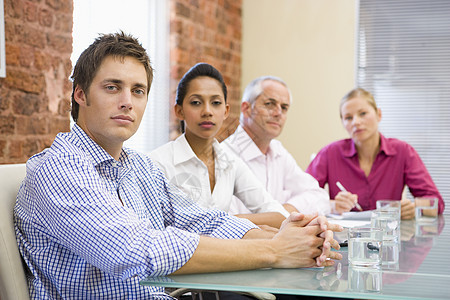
112 107
265 118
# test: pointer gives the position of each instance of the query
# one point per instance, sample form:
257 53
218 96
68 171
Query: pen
342 188
344 243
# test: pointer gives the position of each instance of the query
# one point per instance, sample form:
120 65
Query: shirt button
114 164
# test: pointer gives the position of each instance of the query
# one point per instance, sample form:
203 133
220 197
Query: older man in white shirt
264 108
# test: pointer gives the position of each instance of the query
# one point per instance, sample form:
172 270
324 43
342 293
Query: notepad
351 219
352 215
350 223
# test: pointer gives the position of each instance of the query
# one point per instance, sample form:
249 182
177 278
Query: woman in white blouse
199 165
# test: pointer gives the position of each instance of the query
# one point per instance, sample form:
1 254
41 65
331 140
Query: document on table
351 218
352 215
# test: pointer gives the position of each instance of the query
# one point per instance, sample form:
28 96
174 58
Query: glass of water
390 255
426 209
390 205
365 246
389 222
364 280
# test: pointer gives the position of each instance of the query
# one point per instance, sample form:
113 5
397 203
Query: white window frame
148 20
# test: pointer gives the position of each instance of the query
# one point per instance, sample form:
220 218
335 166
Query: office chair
13 285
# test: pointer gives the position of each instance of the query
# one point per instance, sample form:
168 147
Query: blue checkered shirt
91 227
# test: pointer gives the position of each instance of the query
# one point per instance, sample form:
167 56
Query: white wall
311 45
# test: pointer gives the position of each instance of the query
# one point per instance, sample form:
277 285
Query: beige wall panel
311 45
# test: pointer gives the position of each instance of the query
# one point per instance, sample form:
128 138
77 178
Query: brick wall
35 95
207 31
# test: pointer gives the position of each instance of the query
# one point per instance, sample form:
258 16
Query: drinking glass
364 280
390 255
390 205
426 209
365 246
389 222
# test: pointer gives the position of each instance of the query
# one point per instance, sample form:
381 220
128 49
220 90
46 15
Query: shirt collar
274 148
222 158
386 147
249 150
350 147
183 152
94 150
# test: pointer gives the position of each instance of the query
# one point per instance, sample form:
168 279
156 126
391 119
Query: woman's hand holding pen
345 201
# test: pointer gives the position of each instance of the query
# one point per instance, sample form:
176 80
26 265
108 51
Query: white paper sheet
350 223
352 215
351 219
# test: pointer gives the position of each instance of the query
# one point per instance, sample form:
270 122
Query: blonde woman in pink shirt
370 166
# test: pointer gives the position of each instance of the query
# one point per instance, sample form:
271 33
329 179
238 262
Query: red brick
41 61
14 8
30 147
31 54
60 43
216 40
194 3
46 142
64 23
12 53
25 81
26 56
45 18
66 7
26 104
30 12
64 107
176 26
4 99
31 125
57 125
15 149
67 67
10 33
199 33
31 35
55 4
67 88
2 148
182 10
7 124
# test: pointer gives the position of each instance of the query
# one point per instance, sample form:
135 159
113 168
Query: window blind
403 58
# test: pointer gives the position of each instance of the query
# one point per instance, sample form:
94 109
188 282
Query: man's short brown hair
118 45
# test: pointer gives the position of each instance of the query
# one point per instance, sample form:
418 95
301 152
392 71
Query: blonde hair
358 92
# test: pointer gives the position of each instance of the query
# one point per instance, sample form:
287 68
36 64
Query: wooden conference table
422 272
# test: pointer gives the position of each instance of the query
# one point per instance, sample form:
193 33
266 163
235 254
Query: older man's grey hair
254 89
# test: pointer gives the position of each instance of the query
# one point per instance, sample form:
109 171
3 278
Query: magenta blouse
396 165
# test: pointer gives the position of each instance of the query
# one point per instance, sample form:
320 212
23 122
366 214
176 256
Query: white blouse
183 168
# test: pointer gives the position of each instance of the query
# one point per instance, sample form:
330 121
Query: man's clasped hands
305 241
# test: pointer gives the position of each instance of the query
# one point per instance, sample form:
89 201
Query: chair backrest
13 285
